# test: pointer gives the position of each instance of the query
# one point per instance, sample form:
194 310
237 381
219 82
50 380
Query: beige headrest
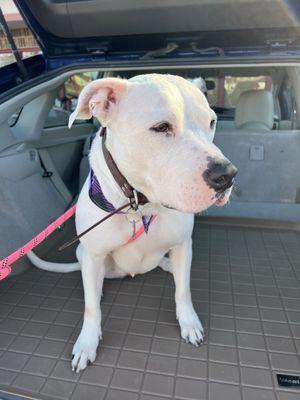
255 110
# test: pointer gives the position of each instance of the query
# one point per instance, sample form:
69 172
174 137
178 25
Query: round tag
133 216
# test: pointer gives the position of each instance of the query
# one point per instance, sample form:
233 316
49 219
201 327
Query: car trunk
245 288
245 278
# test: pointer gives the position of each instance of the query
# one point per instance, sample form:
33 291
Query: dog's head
160 134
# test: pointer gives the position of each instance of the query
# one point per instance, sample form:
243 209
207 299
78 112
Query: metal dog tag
133 216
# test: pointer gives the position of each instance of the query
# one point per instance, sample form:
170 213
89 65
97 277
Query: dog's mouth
223 197
219 198
170 208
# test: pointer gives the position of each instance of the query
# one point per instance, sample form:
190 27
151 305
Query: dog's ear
99 98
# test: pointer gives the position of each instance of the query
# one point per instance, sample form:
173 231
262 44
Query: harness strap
97 196
141 230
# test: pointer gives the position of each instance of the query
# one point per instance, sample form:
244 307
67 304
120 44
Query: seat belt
51 172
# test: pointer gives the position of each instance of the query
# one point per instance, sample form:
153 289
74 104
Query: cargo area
245 288
245 275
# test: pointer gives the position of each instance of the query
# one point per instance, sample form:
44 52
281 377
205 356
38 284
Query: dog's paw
84 350
190 325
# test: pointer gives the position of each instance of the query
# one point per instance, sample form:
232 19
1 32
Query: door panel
65 149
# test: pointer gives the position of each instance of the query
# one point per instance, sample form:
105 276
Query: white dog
160 132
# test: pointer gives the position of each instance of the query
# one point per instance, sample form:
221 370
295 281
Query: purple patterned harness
97 197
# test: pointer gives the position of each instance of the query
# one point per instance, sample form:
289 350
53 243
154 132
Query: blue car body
71 33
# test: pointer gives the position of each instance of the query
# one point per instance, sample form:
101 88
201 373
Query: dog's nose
219 174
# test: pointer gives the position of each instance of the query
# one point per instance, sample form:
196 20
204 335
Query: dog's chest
145 253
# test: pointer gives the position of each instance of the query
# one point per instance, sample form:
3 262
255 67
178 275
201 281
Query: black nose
219 174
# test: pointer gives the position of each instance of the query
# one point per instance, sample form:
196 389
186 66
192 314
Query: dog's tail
52 266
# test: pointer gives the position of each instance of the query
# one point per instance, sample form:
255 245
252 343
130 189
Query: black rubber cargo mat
245 287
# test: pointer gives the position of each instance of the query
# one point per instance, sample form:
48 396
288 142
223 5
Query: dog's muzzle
220 175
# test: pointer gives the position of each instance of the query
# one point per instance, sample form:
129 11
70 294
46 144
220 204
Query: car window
66 100
287 101
226 91
22 36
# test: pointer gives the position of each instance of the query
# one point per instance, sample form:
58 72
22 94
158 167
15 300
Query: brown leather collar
125 186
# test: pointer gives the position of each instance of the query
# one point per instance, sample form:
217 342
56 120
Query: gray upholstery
255 110
28 201
32 118
268 164
286 125
84 164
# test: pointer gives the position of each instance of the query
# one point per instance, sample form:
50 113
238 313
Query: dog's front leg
190 325
84 350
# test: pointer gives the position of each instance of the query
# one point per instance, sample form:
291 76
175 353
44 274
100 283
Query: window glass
225 91
287 101
67 97
23 37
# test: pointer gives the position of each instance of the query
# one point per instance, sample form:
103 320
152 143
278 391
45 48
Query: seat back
255 111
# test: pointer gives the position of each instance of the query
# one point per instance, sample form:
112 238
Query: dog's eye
212 124
163 127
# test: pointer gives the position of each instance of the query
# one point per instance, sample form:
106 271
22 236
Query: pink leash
5 264
16 255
